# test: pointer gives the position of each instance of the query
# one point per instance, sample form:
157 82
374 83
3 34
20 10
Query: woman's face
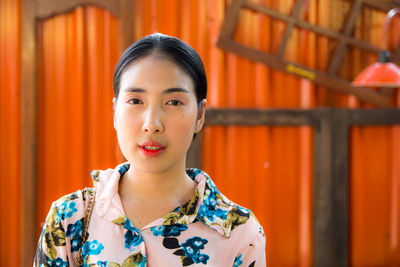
156 114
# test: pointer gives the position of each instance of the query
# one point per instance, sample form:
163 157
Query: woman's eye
135 101
174 102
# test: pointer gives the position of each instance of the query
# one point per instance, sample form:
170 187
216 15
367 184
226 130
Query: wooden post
31 11
29 133
331 186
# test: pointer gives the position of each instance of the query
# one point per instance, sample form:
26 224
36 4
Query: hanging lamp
383 74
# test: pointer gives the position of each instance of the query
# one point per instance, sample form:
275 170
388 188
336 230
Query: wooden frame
32 11
329 78
331 165
331 126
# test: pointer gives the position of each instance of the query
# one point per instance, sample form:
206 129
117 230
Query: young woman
151 211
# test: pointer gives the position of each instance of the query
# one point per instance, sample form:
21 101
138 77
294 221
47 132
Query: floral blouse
208 230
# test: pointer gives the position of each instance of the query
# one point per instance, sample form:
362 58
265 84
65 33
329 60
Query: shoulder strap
91 195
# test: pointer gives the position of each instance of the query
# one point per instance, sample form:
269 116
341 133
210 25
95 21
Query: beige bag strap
86 220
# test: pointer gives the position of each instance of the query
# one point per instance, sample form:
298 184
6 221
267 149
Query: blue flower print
132 240
195 242
238 261
143 262
209 208
128 225
58 262
158 230
203 258
192 173
65 210
211 200
169 230
174 230
177 209
132 236
212 214
92 248
123 168
75 230
192 247
103 263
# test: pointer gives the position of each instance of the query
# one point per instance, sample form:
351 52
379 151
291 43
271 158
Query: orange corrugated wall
10 131
374 171
268 169
75 125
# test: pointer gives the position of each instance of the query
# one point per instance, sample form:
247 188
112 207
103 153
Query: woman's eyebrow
176 90
166 91
134 90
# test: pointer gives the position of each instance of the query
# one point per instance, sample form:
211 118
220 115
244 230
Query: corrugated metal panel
374 161
375 196
10 131
374 168
78 52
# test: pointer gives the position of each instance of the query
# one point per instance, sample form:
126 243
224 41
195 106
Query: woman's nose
152 122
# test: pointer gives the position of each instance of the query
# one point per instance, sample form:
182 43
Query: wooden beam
231 19
319 77
347 31
312 27
28 209
255 117
390 116
329 79
383 5
298 117
289 28
119 8
126 21
49 8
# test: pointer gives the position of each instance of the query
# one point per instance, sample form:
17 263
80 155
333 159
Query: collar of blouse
208 205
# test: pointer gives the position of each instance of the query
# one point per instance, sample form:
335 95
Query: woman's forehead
155 72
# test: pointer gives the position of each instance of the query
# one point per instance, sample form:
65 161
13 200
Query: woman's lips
151 148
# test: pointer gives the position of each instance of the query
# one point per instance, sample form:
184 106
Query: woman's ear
201 115
114 104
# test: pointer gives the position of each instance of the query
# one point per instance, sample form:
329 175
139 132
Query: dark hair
175 49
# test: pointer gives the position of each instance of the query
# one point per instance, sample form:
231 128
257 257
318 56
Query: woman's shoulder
242 221
226 216
69 207
243 226
78 196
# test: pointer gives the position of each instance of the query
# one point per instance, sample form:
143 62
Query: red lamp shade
383 74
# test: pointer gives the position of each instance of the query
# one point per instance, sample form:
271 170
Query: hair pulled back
174 49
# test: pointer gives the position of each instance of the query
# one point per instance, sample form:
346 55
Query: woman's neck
170 185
